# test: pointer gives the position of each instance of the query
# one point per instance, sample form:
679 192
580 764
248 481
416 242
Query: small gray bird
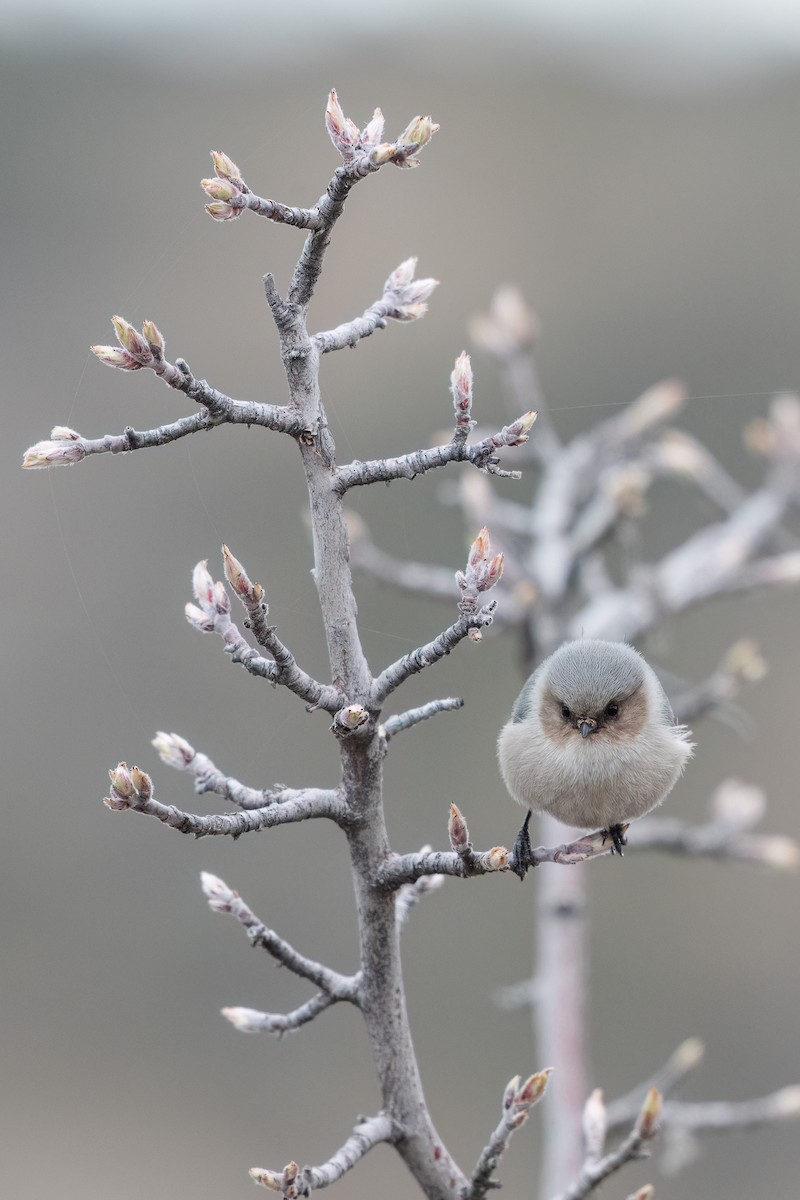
592 740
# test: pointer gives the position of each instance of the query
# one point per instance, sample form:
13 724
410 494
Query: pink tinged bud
203 584
226 168
220 897
401 275
457 830
475 635
647 1121
236 575
121 781
219 211
342 131
221 600
493 572
534 1087
202 619
479 549
142 782
112 356
462 581
174 750
246 1020
53 454
220 189
131 340
153 337
520 428
372 133
643 1193
461 385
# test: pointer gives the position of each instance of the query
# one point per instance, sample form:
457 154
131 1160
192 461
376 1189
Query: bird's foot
521 854
616 834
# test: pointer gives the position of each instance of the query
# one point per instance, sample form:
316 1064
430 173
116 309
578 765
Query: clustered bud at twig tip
174 750
226 190
516 434
519 1098
354 143
135 350
509 327
483 569
220 897
129 786
647 1121
407 295
212 600
64 448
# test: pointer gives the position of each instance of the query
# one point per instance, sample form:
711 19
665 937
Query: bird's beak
587 726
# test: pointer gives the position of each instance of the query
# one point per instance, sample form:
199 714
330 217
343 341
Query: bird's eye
566 714
612 710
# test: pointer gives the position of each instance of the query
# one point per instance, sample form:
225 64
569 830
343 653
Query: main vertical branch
381 991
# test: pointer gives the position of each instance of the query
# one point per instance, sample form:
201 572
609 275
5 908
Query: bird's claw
616 834
521 857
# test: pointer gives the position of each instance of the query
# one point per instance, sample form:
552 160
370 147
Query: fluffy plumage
592 738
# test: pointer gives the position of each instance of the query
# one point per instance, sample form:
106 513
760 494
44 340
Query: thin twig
424 656
518 1100
252 1020
296 1182
222 898
413 716
292 807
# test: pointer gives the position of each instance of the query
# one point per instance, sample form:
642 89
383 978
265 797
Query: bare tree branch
222 898
176 752
287 807
424 656
212 614
518 1100
594 1171
685 1059
482 455
735 808
294 1182
252 1020
413 716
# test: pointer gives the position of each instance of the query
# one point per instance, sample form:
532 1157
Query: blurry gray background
640 181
